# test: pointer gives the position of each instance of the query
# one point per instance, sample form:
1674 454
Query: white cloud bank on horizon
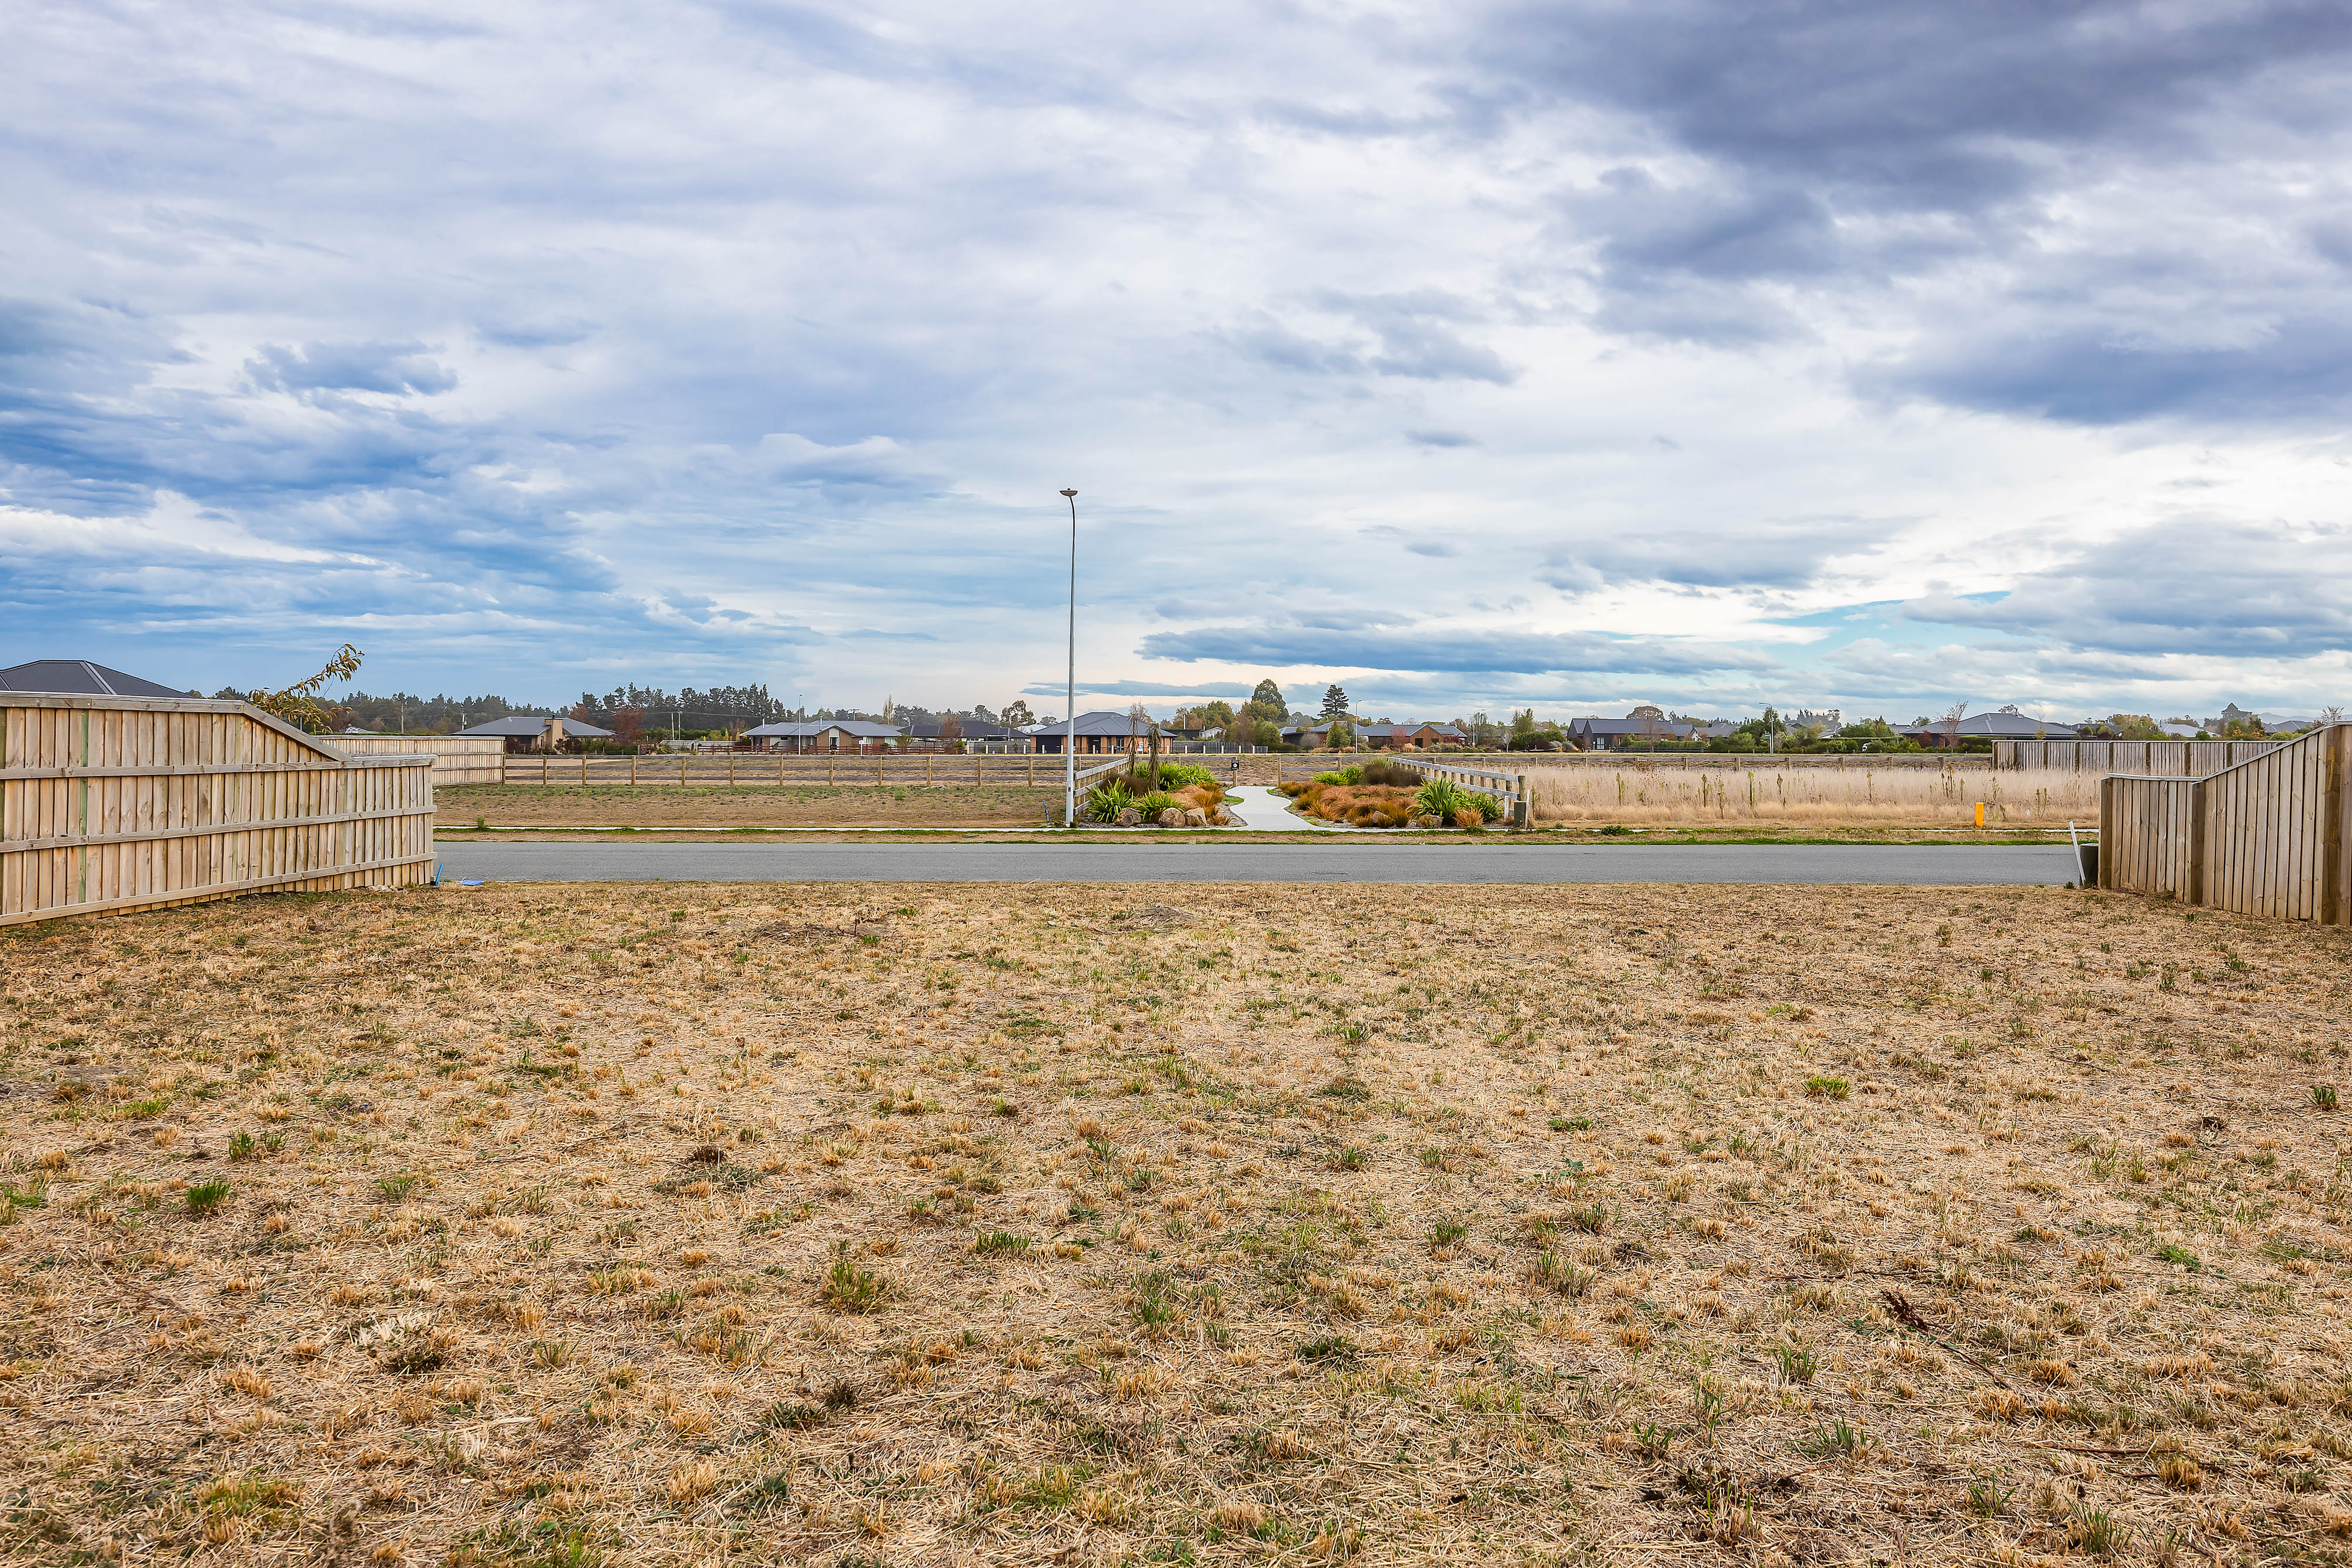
1869 354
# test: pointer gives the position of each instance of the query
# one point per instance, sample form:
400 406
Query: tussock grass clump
1274 1222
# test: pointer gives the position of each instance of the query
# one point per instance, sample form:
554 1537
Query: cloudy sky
1709 352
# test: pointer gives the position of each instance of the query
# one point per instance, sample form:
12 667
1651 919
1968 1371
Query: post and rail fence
2262 836
2143 758
457 759
114 804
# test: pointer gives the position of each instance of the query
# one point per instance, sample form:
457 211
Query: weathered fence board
457 759
109 804
2264 836
2147 758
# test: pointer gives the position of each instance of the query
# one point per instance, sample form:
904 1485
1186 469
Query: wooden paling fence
109 804
2153 758
457 759
743 769
2265 836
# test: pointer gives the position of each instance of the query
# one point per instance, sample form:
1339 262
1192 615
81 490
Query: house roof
79 677
1096 724
803 729
1628 727
2002 727
972 728
1410 726
523 723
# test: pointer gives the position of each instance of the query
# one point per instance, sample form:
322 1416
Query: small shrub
1106 800
1818 1087
206 1198
1446 1232
999 1244
2323 1096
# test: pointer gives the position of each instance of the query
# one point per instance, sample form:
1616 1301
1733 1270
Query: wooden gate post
2110 838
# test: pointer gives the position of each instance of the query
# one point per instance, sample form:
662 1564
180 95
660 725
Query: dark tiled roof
523 724
79 677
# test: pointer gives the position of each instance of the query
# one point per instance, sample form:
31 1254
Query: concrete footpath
1348 858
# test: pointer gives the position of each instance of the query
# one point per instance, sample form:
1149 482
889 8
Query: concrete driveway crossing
1337 860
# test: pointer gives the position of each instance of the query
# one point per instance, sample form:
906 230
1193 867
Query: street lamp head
1073 495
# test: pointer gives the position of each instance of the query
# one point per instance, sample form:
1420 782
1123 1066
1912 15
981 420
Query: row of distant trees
634 713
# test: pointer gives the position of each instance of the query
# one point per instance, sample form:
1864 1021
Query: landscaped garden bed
1175 795
1383 794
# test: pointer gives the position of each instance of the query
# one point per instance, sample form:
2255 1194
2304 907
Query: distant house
79 678
931 732
2001 723
1619 734
828 736
1411 733
523 733
1096 732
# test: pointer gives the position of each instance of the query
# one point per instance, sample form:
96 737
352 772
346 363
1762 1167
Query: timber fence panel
2263 835
109 804
2131 758
457 759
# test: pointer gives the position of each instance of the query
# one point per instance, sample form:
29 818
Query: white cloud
730 343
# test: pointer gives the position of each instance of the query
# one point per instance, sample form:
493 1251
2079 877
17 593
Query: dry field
1062 1224
1804 797
750 806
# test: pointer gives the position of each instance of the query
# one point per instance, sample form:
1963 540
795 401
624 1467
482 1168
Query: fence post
2192 890
543 768
2333 805
583 768
2109 840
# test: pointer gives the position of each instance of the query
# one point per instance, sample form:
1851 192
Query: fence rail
2264 836
2144 758
457 759
748 769
111 804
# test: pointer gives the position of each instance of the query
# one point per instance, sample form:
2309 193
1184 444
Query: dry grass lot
1063 1225
749 805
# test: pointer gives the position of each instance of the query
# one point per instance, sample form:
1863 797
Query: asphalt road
1923 865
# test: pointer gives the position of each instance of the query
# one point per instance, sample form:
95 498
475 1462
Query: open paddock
922 1224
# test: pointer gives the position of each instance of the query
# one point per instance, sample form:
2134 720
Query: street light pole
1070 740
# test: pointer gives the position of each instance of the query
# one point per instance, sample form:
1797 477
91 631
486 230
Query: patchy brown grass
1490 1224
